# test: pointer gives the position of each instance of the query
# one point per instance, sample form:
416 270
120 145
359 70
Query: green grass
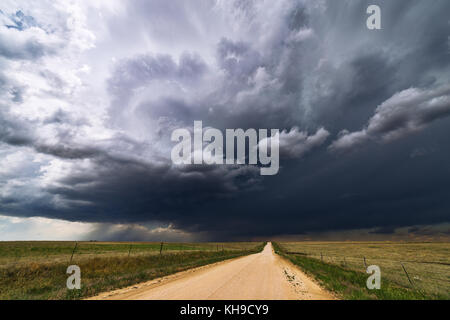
40 273
346 282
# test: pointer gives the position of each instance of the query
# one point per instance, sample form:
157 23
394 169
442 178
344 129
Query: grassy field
37 270
340 266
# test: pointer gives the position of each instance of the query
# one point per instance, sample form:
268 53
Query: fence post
321 256
160 249
129 251
365 264
409 279
73 251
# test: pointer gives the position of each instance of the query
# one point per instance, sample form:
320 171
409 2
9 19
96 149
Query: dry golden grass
428 264
37 270
17 253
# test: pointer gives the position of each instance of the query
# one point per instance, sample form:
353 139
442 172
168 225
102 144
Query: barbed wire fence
403 273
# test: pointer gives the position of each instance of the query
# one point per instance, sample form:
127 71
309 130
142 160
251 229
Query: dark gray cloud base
364 114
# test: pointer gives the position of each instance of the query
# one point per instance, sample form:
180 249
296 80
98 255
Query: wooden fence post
365 264
407 275
73 251
129 251
160 249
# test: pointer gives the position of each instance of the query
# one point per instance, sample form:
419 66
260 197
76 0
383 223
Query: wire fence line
71 252
431 276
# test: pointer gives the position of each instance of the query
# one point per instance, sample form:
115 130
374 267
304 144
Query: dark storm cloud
318 75
13 131
16 132
109 232
151 192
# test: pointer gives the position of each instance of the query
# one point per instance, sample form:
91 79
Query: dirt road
259 276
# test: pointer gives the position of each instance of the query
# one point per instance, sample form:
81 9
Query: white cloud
40 229
301 35
296 143
404 113
15 229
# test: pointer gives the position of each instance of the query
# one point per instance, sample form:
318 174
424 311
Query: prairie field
21 253
423 267
37 270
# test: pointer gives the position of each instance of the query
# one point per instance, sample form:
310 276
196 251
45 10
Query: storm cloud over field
90 92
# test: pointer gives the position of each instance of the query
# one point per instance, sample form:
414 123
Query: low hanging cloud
137 232
406 112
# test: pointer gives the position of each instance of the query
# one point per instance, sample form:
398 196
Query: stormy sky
90 92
